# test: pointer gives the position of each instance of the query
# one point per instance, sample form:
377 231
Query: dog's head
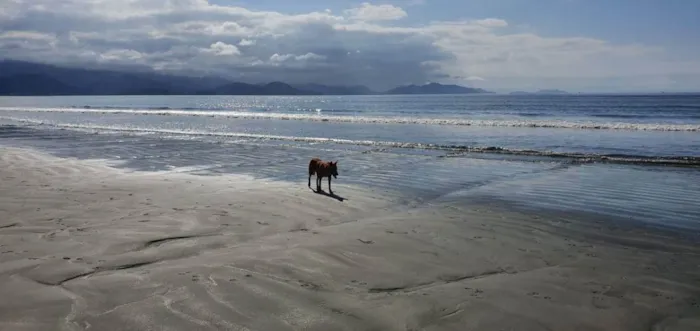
334 168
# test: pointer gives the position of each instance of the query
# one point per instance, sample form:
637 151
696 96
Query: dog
322 169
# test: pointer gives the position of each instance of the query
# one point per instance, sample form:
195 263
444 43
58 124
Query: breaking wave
318 117
451 150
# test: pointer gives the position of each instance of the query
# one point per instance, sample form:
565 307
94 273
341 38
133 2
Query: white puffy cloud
219 48
309 56
369 12
368 44
278 59
491 23
247 42
121 55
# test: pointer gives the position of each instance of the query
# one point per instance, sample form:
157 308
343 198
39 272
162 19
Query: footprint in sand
537 295
475 292
600 302
309 285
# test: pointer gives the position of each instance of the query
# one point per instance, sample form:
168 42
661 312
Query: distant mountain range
435 88
336 90
27 78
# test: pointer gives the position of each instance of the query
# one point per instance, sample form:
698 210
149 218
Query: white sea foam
454 150
319 117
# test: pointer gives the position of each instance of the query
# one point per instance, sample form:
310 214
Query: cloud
246 42
309 56
491 23
286 57
219 48
369 12
121 55
369 44
27 35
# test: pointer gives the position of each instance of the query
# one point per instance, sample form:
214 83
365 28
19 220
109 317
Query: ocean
628 158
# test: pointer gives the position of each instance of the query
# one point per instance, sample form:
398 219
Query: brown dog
322 169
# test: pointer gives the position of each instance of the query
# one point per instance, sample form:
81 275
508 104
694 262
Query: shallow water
425 147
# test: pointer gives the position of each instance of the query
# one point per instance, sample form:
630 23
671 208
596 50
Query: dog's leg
309 180
318 183
330 190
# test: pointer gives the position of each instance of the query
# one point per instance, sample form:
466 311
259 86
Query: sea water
624 156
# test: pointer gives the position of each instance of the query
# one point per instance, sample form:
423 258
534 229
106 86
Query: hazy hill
27 78
336 90
435 88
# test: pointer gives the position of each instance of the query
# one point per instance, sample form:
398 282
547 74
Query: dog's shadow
330 195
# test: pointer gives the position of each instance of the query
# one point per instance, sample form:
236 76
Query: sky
499 45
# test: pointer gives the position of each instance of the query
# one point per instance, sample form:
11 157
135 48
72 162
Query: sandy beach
86 246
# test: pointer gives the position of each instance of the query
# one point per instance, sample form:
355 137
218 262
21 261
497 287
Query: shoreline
86 245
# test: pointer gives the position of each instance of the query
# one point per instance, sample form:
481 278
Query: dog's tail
312 166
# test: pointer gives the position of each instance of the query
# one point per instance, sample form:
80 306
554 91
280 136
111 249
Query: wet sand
87 246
